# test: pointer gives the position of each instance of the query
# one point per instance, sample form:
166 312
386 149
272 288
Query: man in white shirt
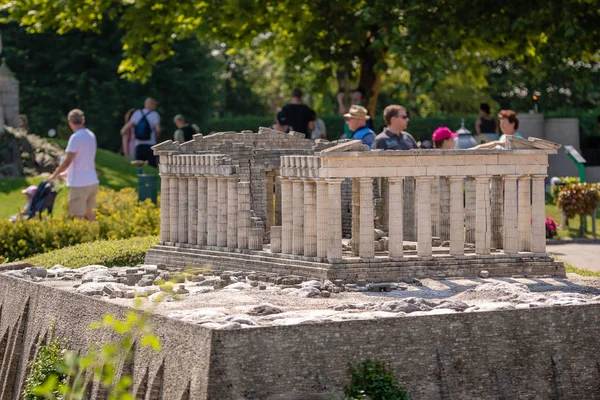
80 167
151 118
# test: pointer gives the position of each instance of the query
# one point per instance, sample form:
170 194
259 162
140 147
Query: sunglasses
403 116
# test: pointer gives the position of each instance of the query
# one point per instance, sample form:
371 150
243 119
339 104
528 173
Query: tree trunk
343 76
370 79
581 225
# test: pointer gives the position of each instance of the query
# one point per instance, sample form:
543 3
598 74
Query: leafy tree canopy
355 39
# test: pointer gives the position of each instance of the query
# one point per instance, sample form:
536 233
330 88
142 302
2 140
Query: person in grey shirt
393 136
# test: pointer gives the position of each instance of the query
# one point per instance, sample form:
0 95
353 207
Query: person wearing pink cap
443 138
29 192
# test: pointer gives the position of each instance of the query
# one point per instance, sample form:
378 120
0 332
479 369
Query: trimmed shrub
109 253
119 215
579 199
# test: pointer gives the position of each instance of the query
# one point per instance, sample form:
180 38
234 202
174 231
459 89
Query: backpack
143 129
43 199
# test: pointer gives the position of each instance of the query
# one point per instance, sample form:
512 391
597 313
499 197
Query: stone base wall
376 270
539 353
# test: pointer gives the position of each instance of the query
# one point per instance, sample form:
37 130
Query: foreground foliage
119 215
374 380
46 364
66 377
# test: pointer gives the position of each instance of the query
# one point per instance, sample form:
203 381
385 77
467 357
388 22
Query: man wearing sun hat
443 138
356 118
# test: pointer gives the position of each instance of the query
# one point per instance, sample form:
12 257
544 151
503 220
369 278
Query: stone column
164 209
385 197
355 216
524 213
269 183
202 210
243 225
457 228
322 218
275 237
396 233
538 214
334 248
211 221
192 210
222 211
298 217
470 207
278 201
435 207
409 209
444 208
232 210
287 219
183 210
367 239
482 215
511 230
424 216
173 211
310 218
496 217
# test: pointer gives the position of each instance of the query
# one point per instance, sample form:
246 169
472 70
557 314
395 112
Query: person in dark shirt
393 136
485 123
185 132
298 115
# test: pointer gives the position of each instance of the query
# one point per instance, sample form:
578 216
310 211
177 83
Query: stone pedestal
255 239
275 237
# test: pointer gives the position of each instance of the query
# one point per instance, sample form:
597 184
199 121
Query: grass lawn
114 171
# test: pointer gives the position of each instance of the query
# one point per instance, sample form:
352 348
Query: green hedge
110 253
421 128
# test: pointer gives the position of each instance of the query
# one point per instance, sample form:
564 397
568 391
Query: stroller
43 199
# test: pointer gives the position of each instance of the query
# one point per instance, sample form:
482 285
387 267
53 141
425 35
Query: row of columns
205 210
311 215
